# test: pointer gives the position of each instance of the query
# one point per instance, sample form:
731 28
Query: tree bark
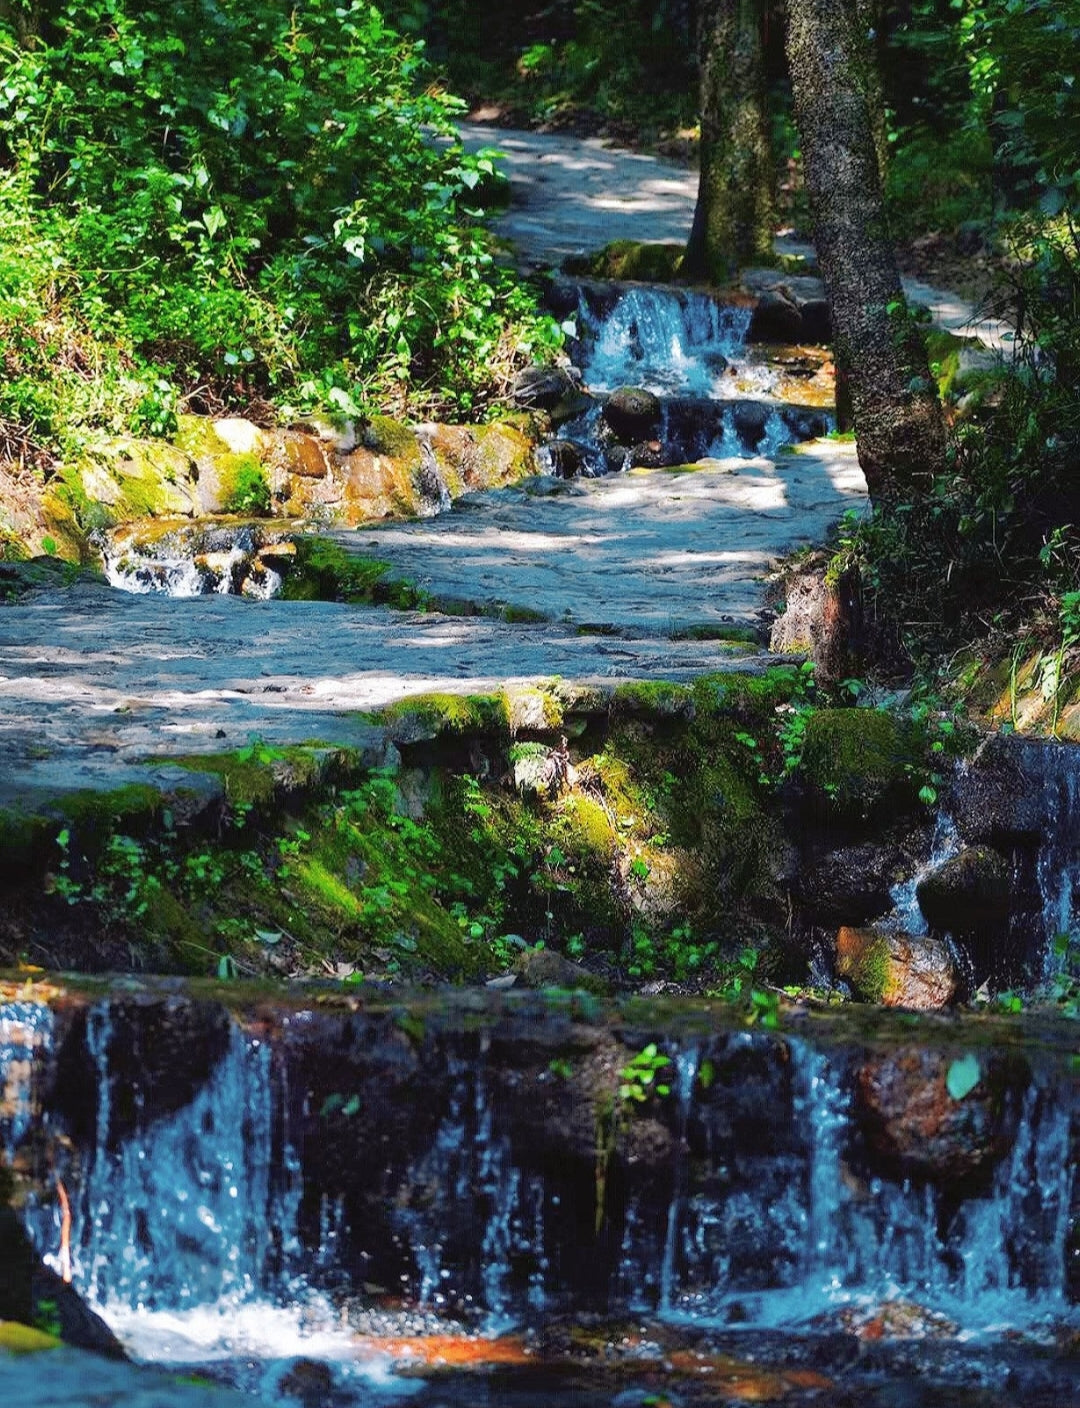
733 221
899 427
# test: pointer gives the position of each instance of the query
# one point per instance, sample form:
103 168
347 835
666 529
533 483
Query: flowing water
193 1232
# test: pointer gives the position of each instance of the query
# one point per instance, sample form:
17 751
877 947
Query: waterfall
669 341
760 1202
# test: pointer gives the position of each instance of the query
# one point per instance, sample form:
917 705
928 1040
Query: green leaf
963 1076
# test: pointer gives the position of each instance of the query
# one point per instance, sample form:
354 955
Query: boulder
633 414
542 388
816 320
566 458
971 891
915 1123
848 885
750 419
776 318
897 970
856 764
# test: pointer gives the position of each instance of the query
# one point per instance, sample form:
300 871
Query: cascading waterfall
186 1226
669 341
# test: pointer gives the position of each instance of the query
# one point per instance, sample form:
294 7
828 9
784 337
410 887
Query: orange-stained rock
897 970
912 1125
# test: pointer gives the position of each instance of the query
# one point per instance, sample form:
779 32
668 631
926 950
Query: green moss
24 1339
633 259
943 353
707 630
860 760
652 697
438 713
325 571
586 827
869 973
504 454
244 487
521 615
386 436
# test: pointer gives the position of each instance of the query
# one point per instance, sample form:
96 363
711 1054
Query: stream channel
484 1198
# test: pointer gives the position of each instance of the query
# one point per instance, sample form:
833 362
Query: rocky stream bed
546 1189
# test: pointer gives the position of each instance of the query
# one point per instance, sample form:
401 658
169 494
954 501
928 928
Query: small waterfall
760 1203
192 560
906 916
26 1036
191 1210
669 341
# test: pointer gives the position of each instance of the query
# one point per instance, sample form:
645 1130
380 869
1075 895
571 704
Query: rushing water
189 1233
668 341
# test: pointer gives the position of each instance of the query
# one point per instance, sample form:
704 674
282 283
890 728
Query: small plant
637 1079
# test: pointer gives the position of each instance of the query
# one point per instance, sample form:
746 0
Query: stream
447 1197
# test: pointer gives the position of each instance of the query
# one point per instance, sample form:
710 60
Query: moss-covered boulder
858 764
897 970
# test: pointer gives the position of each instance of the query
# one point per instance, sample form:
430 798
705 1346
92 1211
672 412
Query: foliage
254 200
637 1079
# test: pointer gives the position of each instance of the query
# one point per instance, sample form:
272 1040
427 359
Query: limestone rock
897 970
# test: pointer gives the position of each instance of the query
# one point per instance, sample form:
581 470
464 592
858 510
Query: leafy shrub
259 199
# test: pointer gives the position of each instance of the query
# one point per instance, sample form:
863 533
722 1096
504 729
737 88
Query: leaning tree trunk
880 355
733 221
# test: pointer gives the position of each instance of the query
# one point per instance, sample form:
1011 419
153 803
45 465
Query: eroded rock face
913 1125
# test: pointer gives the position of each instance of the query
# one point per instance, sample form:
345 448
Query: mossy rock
585 828
386 436
122 480
323 570
429 716
25 1339
858 762
634 259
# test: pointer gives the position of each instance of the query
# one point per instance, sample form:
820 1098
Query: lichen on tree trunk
733 222
880 355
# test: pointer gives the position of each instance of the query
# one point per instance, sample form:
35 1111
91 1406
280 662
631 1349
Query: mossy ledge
645 839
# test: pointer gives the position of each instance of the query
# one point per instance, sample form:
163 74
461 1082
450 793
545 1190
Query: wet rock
159 1051
821 619
566 458
816 320
805 424
971 891
913 1126
750 419
999 796
776 318
542 388
897 970
848 885
632 414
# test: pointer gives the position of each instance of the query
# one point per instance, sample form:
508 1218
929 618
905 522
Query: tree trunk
899 426
733 221
869 17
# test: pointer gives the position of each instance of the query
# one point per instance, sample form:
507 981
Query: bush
261 200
